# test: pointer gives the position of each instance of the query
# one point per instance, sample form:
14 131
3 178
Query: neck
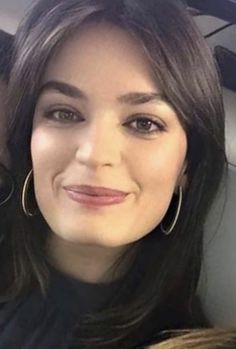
88 263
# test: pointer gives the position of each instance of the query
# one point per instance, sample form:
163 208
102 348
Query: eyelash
134 119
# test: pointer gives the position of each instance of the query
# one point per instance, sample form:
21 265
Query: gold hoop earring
24 195
171 227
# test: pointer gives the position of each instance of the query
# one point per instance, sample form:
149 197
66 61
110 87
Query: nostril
96 154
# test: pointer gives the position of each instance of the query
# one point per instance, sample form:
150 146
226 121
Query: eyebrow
132 98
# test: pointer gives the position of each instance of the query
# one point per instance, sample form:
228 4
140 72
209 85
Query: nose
100 145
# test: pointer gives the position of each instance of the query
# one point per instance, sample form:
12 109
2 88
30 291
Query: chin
90 238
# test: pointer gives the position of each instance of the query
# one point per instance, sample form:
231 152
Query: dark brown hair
6 44
160 284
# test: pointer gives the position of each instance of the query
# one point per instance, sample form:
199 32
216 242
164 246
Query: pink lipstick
95 196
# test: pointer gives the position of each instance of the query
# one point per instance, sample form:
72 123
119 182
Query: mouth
95 196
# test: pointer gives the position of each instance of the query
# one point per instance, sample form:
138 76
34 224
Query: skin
97 146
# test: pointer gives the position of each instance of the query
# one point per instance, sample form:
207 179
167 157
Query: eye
63 115
145 125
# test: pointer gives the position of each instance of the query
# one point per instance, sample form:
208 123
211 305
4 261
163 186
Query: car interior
217 287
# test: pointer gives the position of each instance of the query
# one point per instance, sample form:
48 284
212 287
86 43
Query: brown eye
145 125
63 115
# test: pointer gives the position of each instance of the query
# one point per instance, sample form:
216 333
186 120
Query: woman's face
100 121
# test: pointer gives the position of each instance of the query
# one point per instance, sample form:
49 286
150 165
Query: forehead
99 50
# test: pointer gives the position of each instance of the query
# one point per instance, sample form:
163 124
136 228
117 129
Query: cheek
157 172
49 150
160 163
49 158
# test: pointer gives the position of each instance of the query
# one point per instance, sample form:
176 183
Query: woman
117 148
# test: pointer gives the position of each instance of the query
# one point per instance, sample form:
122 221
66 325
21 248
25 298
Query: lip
96 191
95 196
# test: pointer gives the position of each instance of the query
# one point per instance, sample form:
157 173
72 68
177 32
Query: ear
182 179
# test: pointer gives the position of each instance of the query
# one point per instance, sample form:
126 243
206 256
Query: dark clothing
38 322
